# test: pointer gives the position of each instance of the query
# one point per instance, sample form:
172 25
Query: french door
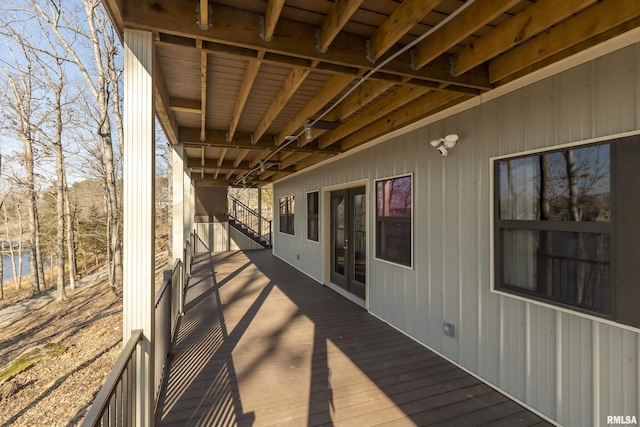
349 240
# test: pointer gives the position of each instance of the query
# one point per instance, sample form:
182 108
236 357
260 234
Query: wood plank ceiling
240 81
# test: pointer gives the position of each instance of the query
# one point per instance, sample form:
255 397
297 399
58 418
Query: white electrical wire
358 83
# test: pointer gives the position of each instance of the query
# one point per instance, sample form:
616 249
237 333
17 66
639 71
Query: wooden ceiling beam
328 92
240 29
244 166
271 16
336 18
311 160
428 105
589 23
247 83
291 84
190 137
221 154
474 17
190 106
240 156
210 180
535 19
401 20
203 94
162 104
374 112
293 159
363 95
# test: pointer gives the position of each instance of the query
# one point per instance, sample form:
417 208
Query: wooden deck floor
261 344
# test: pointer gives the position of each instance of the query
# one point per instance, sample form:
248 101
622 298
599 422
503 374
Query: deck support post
179 237
139 214
189 205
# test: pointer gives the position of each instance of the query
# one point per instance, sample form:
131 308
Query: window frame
315 215
623 148
289 224
376 254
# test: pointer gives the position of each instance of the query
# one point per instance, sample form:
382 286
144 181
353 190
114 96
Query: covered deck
260 344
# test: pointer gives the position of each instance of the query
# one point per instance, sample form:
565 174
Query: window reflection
568 185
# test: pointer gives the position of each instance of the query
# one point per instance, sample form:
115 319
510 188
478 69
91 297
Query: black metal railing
250 219
168 307
115 403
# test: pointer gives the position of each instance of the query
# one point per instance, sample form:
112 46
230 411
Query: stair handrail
241 215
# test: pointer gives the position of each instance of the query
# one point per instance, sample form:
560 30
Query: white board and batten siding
575 369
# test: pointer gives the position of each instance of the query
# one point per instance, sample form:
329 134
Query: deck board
261 344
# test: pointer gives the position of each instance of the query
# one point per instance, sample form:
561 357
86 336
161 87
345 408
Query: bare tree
20 101
101 86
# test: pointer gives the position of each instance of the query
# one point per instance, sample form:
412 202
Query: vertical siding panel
576 400
470 281
573 105
435 218
541 365
421 235
489 336
451 262
512 360
615 105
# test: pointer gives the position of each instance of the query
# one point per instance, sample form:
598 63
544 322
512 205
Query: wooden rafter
242 166
401 20
203 16
271 16
430 104
293 159
162 105
329 91
312 159
535 19
577 29
240 29
190 106
291 84
240 156
366 93
478 14
203 95
223 152
190 137
247 83
393 101
339 14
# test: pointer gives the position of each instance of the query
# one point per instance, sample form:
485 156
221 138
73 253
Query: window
393 220
287 209
312 216
556 217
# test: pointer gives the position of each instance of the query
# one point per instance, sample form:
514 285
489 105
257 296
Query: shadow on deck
262 344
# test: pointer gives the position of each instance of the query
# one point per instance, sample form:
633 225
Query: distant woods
60 122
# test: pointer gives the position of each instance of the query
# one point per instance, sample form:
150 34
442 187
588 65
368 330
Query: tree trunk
60 190
71 238
545 263
574 209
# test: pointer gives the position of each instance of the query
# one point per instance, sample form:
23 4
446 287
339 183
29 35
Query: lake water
7 271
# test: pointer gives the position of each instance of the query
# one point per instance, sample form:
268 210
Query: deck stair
249 222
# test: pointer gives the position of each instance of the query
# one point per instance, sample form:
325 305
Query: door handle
346 244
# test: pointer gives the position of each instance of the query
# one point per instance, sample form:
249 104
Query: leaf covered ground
57 391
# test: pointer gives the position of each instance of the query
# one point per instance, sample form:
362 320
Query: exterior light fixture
443 145
308 133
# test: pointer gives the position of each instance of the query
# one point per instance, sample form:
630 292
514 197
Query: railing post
260 212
